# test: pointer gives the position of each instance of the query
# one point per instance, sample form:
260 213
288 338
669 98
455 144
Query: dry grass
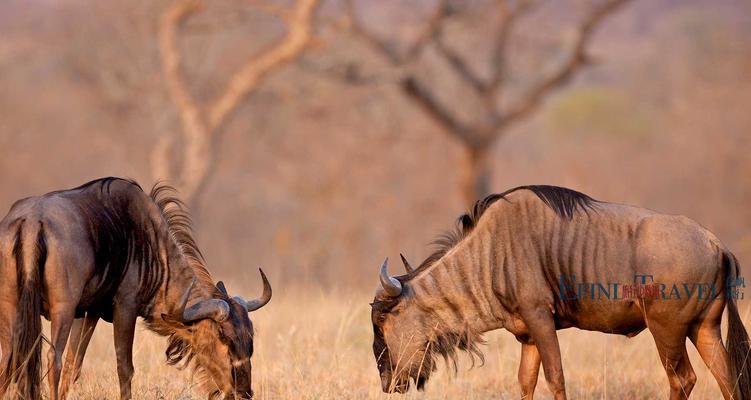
318 346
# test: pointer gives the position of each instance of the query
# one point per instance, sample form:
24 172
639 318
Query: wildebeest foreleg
541 327
671 344
529 370
80 335
124 324
61 320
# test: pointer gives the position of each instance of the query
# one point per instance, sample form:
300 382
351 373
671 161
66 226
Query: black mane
104 183
180 228
565 202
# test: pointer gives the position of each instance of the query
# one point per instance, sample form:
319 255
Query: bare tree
491 119
202 121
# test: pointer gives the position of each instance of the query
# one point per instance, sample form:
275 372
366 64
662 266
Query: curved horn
391 285
216 309
255 304
406 264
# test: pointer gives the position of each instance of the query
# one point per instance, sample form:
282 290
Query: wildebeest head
402 335
217 336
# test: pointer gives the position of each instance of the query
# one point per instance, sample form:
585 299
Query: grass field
318 346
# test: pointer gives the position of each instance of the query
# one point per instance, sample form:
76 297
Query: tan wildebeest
512 263
108 250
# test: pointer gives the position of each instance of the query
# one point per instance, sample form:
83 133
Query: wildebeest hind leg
707 338
80 335
529 370
61 318
671 345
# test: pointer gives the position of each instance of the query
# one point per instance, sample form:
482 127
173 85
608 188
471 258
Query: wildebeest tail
738 342
24 369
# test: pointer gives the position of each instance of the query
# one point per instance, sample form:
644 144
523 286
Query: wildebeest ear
406 263
466 223
220 286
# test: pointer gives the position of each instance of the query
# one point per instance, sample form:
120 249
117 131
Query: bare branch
431 31
459 66
410 84
388 49
385 49
244 81
578 58
508 17
273 9
423 97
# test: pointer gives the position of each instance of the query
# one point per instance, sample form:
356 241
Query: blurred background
315 138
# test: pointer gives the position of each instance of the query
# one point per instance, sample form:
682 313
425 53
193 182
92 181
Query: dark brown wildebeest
503 268
108 250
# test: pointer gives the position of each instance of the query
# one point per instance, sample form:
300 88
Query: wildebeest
108 250
509 265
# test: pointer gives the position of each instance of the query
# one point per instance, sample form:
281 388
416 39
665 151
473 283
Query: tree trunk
477 175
